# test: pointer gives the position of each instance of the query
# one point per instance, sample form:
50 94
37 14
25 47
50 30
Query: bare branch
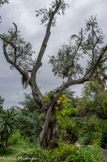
46 38
74 55
22 72
103 60
87 76
65 85
10 41
93 67
99 60
79 44
38 63
7 42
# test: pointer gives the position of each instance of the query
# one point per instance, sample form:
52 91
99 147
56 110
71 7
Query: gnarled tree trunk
49 134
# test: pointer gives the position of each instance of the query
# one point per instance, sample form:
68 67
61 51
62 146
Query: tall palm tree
8 121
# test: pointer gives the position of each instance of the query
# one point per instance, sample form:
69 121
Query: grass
30 152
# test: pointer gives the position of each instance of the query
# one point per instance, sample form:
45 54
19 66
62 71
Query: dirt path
104 152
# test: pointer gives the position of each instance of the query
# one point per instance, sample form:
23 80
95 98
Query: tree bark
5 143
49 134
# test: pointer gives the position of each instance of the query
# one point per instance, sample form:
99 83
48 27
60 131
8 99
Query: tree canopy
86 45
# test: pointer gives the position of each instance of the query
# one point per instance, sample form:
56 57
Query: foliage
64 108
67 153
70 153
92 101
8 122
92 112
70 94
69 130
90 130
29 122
46 13
37 125
6 152
29 104
22 53
15 138
91 89
64 111
103 103
48 95
87 42
31 151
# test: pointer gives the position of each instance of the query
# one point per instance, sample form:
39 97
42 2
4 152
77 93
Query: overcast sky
22 12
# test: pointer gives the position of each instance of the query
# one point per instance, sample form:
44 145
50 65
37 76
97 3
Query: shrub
90 131
15 138
67 126
71 153
69 130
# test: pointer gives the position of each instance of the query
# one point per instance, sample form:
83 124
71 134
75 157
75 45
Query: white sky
22 12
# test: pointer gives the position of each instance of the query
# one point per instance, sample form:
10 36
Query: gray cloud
22 12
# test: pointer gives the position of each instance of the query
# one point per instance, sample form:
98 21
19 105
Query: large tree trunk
49 134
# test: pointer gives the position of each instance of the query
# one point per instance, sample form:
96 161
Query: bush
90 131
71 153
69 130
15 138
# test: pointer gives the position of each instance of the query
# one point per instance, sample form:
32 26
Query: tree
28 118
87 44
8 122
93 101
1 104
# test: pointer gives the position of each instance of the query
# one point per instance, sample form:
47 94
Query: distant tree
87 46
94 100
28 118
8 122
101 78
1 104
70 94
